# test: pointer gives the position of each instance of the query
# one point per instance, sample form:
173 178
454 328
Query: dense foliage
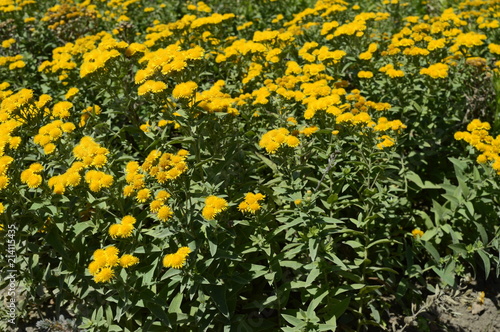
247 165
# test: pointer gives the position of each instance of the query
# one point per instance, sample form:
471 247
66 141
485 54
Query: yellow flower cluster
438 70
276 138
384 124
5 162
477 135
90 154
98 180
8 43
390 71
178 259
71 178
251 202
106 260
184 90
87 113
165 166
14 62
163 212
122 229
200 7
214 19
365 74
387 141
31 177
214 100
71 93
151 86
61 109
50 133
213 206
166 61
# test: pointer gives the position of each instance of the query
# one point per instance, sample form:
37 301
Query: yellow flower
178 259
365 74
61 109
128 220
151 86
128 260
71 93
251 202
438 70
164 213
184 90
387 142
417 233
213 206
104 275
143 195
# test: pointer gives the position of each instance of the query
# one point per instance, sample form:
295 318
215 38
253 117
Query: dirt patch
474 307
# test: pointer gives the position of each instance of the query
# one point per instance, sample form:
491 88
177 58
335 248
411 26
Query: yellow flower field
257 165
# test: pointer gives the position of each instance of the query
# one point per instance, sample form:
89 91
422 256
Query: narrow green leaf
486 262
482 232
432 250
296 322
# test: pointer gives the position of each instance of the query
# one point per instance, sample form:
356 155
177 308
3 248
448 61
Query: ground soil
473 307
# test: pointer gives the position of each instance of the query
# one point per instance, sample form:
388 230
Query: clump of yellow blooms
163 212
213 206
477 135
31 176
103 263
184 90
87 113
90 152
274 139
98 180
122 229
106 260
177 259
151 86
251 202
165 166
5 162
438 70
52 132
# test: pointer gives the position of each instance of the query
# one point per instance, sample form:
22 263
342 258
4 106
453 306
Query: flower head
178 259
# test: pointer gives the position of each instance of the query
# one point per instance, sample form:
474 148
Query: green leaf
313 274
482 232
296 322
268 162
458 248
340 307
432 250
175 305
218 295
81 226
158 312
415 178
429 234
53 238
315 302
313 248
486 262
